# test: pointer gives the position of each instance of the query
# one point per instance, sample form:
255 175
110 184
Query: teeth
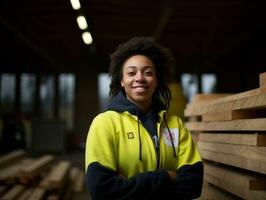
140 89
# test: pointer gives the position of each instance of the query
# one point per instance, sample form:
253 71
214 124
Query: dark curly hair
160 56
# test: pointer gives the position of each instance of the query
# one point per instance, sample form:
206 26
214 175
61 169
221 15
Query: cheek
155 82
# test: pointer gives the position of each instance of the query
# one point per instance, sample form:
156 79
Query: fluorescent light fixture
75 4
82 22
87 39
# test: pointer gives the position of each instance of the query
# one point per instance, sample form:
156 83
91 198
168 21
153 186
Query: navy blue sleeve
104 183
187 185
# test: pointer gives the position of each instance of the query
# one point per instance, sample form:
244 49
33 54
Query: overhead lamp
75 4
82 23
87 39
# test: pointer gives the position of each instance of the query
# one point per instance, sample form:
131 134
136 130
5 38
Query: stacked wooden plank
41 178
231 135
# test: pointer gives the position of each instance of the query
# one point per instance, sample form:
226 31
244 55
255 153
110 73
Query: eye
148 73
131 73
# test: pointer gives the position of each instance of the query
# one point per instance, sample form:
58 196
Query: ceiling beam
162 22
28 42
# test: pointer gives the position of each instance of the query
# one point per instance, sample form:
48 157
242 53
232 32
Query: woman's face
139 80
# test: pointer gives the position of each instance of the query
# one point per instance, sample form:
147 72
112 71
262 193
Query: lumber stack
41 178
230 131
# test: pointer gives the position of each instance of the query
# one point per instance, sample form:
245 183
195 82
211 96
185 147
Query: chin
141 99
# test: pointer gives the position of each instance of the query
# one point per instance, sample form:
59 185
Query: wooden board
38 164
243 156
248 100
241 186
253 139
263 80
10 173
13 156
204 98
26 194
212 192
37 194
233 115
57 176
14 192
79 182
235 125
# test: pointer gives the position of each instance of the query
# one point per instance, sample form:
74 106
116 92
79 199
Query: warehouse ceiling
197 32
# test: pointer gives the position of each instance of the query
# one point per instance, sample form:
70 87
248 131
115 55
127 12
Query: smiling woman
139 81
135 150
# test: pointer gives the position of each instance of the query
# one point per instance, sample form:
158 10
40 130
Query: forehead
138 61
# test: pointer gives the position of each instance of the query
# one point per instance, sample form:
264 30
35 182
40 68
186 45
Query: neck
145 107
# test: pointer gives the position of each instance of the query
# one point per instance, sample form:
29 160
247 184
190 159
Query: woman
134 150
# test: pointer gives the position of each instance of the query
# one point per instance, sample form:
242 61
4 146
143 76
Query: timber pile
42 178
231 135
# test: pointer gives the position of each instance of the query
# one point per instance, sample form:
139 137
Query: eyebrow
133 66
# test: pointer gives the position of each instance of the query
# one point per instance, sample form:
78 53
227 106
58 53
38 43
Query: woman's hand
172 174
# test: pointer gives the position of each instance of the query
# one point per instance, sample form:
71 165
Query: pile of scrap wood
41 178
230 131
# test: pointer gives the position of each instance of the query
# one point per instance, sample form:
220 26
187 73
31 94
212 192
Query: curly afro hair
160 56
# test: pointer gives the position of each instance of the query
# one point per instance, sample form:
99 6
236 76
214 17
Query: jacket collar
121 104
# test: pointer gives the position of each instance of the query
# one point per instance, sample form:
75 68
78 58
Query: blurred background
55 56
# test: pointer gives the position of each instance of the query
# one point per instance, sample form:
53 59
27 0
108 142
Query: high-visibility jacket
119 142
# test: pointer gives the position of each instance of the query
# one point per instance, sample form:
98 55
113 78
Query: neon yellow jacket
117 142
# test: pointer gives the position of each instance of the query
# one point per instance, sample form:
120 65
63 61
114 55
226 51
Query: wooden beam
57 176
12 157
243 156
263 80
26 194
14 192
241 185
163 20
33 46
10 173
29 173
37 194
212 192
235 125
233 115
79 182
252 139
206 98
247 100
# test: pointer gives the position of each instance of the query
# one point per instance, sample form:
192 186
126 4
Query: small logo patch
130 135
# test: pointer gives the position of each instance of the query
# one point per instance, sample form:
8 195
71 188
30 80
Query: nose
140 76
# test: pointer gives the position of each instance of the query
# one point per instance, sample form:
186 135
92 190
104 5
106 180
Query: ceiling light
75 4
87 39
82 22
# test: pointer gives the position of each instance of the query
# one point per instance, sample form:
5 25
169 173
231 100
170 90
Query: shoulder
105 118
174 121
107 114
172 117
